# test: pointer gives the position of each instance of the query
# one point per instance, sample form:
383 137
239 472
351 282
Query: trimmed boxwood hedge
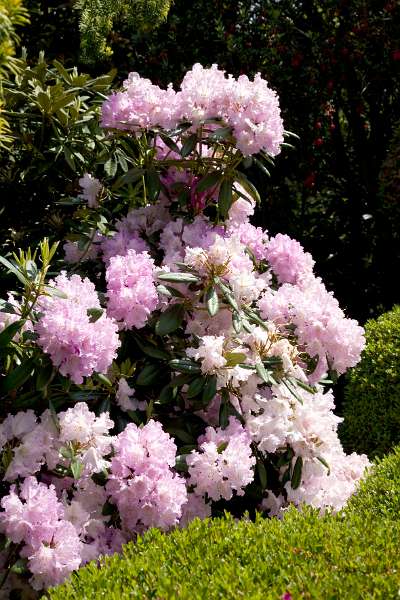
353 555
372 394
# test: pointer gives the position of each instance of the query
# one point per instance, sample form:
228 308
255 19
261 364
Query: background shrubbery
351 556
372 395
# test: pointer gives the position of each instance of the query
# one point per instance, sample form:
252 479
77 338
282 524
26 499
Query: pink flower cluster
59 519
132 295
251 108
320 325
224 463
35 518
78 347
142 484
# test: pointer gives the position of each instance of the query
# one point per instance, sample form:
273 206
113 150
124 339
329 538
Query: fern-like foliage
99 16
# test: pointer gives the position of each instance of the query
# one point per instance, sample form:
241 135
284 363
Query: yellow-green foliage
351 556
372 396
12 15
99 16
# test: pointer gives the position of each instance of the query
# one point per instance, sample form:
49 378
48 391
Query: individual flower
91 188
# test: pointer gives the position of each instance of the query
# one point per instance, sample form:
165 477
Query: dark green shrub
379 494
349 556
372 395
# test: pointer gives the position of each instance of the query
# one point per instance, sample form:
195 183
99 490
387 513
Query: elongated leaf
210 389
170 319
225 198
169 291
18 376
196 387
178 277
153 184
222 133
149 375
184 365
14 270
76 468
297 470
237 322
208 181
189 145
7 307
170 143
9 332
212 301
223 415
248 186
262 475
263 373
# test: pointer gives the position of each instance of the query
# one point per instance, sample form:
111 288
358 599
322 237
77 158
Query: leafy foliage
372 394
350 556
98 17
53 116
12 15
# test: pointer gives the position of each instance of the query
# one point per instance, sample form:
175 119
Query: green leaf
237 322
210 389
184 365
153 184
225 197
9 332
7 307
234 358
189 145
262 474
166 395
170 319
212 301
94 314
76 468
170 143
228 295
180 463
44 376
196 387
178 277
18 376
222 133
323 461
296 475
208 181
14 270
110 167
248 186
224 415
103 379
131 176
169 291
149 375
52 291
263 373
221 447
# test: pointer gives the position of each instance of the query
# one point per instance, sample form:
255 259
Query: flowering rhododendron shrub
180 363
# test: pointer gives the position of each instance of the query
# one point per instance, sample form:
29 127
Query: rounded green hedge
372 395
351 556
